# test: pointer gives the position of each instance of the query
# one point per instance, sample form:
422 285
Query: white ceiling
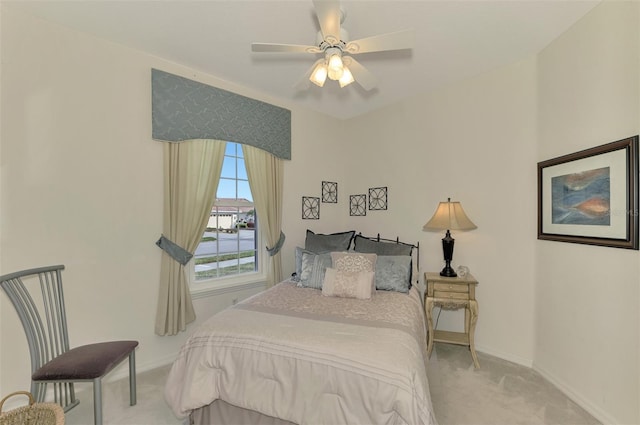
454 40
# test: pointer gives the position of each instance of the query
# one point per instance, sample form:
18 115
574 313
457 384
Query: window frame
221 285
247 280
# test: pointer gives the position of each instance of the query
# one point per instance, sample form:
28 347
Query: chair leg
132 378
71 394
97 401
38 390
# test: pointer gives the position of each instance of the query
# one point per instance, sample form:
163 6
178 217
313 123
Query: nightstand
452 293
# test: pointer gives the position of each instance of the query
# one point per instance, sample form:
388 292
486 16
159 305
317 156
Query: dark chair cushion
85 362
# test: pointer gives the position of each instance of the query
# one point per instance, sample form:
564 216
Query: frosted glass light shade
346 79
319 74
336 68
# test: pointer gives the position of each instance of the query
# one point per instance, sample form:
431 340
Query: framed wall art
591 196
310 208
358 205
330 192
378 198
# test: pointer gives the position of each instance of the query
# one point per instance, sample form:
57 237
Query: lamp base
447 250
448 271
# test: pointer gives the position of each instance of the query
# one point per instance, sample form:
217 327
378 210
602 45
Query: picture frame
591 196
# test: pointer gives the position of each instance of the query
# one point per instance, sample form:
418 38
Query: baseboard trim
583 402
577 398
505 356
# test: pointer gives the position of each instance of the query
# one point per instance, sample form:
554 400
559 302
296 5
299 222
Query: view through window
228 245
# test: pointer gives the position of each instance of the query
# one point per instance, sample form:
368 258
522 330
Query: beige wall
587 321
316 157
1 304
77 149
75 144
472 142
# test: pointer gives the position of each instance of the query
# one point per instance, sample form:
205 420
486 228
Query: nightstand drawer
451 295
450 287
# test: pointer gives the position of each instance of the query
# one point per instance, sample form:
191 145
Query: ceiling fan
333 42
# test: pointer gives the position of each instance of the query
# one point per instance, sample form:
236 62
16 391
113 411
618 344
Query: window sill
209 289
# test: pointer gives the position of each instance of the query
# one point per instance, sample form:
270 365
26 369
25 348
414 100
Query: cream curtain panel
265 172
191 174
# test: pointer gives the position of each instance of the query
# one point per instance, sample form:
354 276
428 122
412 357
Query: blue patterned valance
183 109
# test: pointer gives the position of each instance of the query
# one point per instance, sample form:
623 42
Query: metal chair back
38 297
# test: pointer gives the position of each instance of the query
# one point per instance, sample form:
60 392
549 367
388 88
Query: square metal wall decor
310 208
378 198
358 205
330 192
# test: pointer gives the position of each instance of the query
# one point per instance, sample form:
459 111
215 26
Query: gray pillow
393 273
299 252
314 267
320 243
362 244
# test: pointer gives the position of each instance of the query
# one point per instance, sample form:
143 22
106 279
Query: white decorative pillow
354 261
348 284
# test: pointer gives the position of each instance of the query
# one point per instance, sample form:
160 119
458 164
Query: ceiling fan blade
360 73
379 43
304 82
328 12
286 48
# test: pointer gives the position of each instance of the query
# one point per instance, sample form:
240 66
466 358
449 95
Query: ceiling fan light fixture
333 42
346 79
336 67
319 74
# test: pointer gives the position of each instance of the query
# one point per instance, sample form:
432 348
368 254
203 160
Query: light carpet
499 393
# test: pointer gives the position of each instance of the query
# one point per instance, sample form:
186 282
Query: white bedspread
293 354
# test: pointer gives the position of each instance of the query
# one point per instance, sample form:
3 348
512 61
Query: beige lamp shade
449 216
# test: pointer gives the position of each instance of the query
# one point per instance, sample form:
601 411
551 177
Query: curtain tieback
175 251
276 248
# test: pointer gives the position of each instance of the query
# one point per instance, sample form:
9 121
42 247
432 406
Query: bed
296 354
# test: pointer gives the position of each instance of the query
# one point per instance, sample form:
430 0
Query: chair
37 295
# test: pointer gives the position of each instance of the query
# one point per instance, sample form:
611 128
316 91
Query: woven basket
33 414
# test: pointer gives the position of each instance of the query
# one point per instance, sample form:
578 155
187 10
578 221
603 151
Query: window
228 248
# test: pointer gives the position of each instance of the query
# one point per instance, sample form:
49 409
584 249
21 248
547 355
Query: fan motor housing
323 45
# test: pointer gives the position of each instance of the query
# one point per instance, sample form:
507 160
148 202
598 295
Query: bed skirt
221 412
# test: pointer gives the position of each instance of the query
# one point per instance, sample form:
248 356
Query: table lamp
449 216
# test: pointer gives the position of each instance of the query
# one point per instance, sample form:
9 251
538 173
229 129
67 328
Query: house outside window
228 252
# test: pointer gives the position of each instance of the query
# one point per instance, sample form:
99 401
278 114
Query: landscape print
581 198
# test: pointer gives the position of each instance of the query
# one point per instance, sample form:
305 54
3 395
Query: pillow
362 244
299 251
353 261
320 243
347 284
313 269
393 273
